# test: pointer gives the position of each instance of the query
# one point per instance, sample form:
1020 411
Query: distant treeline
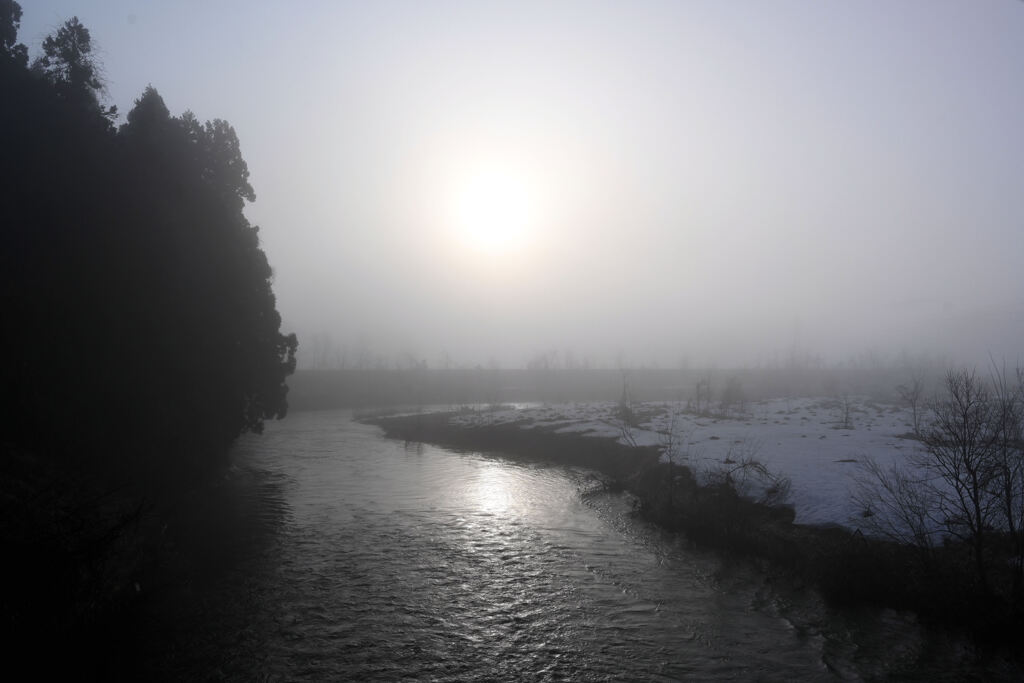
140 325
321 389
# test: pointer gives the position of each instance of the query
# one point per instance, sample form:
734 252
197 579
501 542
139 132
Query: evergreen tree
10 22
142 300
69 64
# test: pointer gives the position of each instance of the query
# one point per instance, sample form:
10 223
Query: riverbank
848 569
117 574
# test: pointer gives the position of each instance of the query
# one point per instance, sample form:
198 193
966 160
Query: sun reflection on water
492 489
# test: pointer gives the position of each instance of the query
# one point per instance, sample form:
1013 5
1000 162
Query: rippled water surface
388 560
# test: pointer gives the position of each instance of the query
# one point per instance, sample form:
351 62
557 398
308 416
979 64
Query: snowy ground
808 440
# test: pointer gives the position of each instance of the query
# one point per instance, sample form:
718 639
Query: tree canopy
10 22
139 303
68 63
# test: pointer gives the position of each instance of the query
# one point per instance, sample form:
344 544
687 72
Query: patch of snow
804 439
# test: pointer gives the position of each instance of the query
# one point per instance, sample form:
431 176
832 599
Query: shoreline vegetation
847 568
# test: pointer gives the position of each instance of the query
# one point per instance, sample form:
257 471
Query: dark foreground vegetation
141 338
848 568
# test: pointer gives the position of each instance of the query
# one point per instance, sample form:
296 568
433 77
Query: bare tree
732 397
846 408
625 407
674 445
966 483
625 413
912 394
742 472
896 504
703 396
958 459
674 440
1006 418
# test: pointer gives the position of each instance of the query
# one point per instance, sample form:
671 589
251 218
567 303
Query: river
379 559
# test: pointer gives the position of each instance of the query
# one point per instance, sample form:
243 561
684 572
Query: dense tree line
141 337
141 326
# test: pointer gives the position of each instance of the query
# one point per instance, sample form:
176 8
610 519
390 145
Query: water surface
388 560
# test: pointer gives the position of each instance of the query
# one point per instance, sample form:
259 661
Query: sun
494 211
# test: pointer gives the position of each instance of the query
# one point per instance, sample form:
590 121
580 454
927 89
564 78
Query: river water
384 560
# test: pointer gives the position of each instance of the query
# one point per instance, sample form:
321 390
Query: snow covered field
815 442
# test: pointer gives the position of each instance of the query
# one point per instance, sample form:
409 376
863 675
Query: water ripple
420 563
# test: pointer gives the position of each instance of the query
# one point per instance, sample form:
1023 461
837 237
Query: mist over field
661 183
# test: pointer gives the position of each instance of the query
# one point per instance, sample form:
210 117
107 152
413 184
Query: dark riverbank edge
846 568
117 576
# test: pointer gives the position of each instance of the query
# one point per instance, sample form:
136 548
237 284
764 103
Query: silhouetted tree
966 486
912 393
141 335
732 396
896 503
222 304
146 328
1006 419
10 22
149 117
702 395
958 447
67 62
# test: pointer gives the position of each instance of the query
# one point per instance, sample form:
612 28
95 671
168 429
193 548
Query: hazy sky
711 180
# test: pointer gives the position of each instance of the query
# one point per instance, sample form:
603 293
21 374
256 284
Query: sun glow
494 210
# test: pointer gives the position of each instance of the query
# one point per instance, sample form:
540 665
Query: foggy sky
715 181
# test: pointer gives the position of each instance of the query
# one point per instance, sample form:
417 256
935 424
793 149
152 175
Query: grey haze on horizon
714 181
